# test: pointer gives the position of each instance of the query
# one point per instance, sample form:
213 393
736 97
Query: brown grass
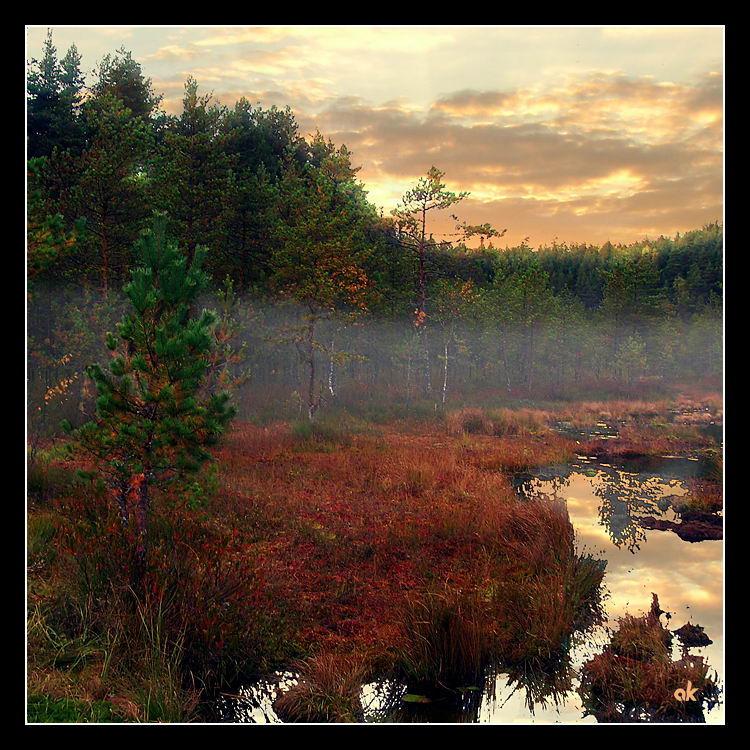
497 422
327 690
444 637
648 440
334 549
584 413
529 592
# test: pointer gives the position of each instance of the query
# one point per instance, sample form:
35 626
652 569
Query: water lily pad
411 698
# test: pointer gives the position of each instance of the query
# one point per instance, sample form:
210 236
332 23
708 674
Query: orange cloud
175 52
593 157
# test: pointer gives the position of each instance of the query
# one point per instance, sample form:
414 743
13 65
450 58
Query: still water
605 503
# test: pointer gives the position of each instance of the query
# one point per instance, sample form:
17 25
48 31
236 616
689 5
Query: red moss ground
344 536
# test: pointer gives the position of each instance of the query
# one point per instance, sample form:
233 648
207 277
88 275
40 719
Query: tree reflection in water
626 497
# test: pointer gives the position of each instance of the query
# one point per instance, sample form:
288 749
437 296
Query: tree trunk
311 405
408 377
445 370
422 307
121 498
311 387
506 368
530 360
332 373
142 510
105 264
426 361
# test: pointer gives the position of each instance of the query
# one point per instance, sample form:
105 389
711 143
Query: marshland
291 460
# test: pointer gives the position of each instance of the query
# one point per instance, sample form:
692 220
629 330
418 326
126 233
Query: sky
567 134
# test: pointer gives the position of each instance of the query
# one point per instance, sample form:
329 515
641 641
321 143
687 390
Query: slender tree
411 218
318 256
453 303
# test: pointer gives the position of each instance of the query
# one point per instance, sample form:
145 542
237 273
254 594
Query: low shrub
46 480
711 465
193 618
468 421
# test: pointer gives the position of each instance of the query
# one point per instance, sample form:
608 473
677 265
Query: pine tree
410 219
43 90
152 426
192 173
122 77
108 191
72 83
48 239
54 89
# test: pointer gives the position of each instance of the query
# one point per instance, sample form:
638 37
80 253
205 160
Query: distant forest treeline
375 299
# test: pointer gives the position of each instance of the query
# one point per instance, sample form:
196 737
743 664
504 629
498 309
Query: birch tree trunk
311 384
445 370
332 372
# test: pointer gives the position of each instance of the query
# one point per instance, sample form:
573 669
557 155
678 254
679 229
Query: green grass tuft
43 709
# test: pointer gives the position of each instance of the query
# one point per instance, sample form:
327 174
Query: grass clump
320 436
444 638
549 591
328 690
519 606
496 422
44 709
711 465
508 422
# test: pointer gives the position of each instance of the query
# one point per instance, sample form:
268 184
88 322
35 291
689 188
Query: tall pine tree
192 172
54 89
